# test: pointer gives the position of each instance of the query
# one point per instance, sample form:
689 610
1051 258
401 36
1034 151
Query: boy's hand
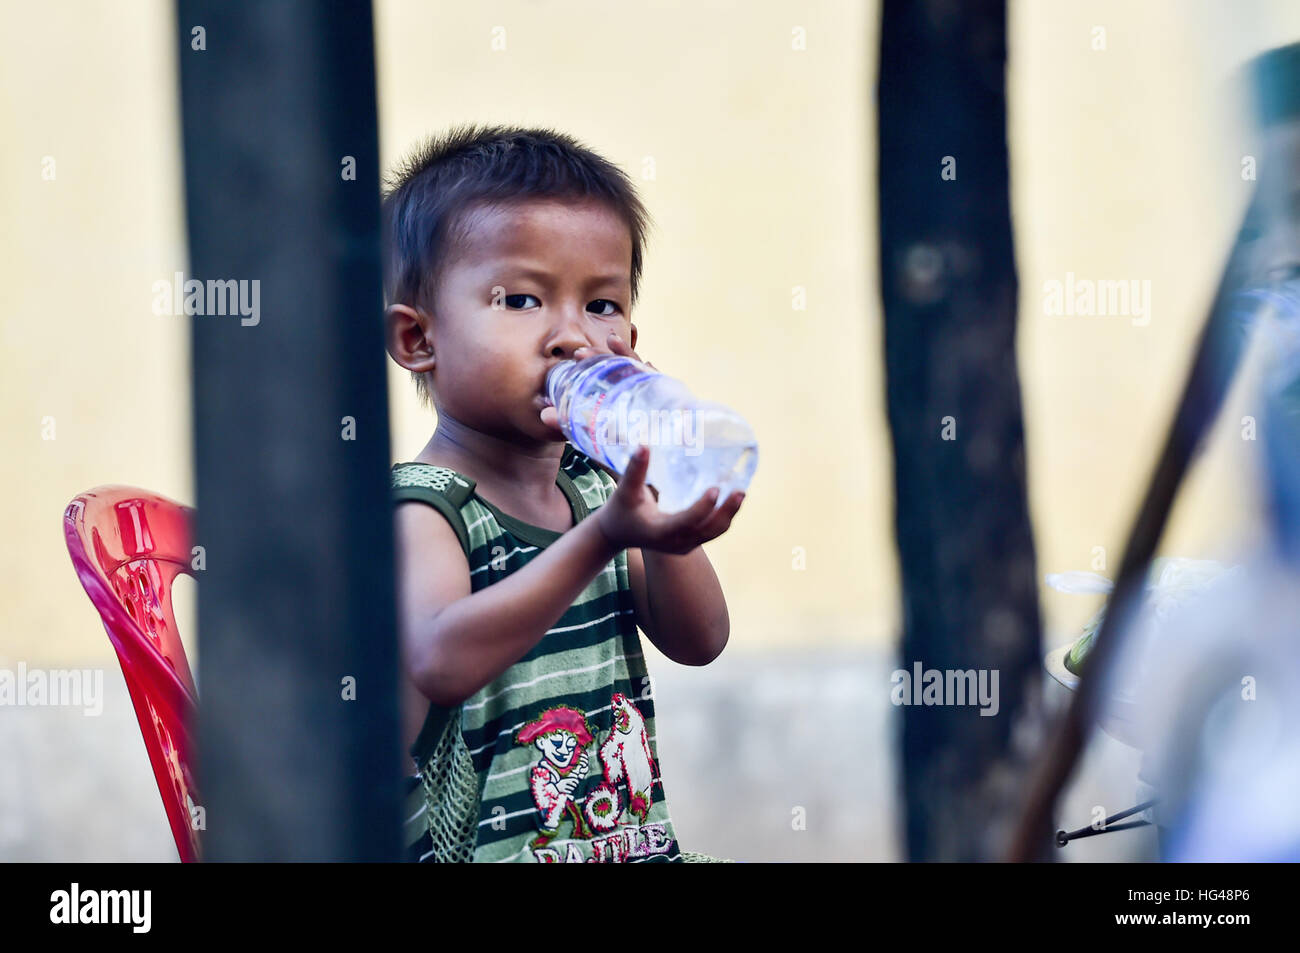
616 346
631 517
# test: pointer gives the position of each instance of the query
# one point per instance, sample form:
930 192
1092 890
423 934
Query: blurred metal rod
1108 825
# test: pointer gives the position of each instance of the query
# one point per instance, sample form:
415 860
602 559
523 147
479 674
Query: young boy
524 569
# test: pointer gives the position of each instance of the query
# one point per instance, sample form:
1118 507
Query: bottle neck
564 373
559 378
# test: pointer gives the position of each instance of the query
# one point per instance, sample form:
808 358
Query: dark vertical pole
964 538
298 719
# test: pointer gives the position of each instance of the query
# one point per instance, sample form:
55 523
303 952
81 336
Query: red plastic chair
128 546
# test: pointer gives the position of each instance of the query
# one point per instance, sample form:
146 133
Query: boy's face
533 282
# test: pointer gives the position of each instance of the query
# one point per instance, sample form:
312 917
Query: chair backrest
128 546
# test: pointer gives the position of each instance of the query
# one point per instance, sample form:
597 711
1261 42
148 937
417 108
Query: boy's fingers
619 346
697 511
720 519
637 467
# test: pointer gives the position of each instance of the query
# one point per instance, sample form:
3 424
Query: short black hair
430 191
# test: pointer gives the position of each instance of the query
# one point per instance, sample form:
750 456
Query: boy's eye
600 302
517 301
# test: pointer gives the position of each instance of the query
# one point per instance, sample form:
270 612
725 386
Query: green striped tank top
555 761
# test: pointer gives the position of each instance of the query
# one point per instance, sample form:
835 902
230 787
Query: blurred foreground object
1219 702
1216 718
299 740
1170 583
1266 253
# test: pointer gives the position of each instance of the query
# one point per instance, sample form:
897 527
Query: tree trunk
965 544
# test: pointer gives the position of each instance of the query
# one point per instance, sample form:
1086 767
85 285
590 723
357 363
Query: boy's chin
541 431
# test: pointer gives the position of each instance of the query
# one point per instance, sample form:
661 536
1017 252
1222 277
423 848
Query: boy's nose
566 340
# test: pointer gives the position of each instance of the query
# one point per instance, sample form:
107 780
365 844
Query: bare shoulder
431 566
432 571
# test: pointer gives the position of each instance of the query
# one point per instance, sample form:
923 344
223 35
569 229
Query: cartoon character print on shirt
562 735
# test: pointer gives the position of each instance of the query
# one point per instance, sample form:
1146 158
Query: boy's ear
407 333
632 344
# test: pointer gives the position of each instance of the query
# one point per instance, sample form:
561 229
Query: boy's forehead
561 233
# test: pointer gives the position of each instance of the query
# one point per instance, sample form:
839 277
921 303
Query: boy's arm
679 604
455 641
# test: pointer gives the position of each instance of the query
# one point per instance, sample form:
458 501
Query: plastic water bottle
609 405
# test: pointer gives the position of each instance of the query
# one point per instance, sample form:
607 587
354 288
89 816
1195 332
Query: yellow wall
764 179
93 85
